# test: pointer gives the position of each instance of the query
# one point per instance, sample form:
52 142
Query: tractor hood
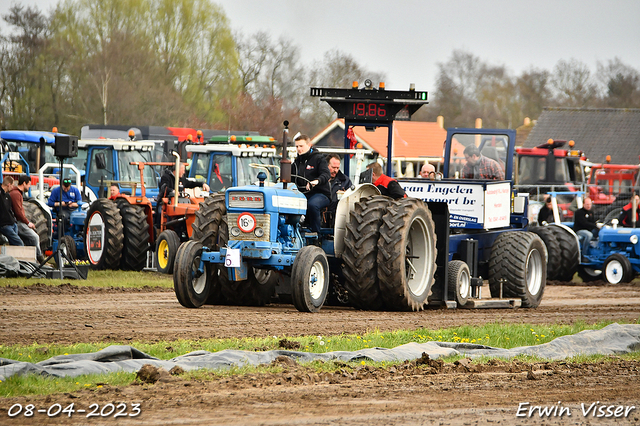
269 199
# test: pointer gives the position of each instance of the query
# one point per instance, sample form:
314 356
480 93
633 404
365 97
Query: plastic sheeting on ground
615 339
10 267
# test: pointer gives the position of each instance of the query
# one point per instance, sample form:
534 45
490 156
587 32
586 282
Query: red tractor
610 187
548 167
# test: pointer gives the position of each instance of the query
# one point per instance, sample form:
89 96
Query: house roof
596 131
411 139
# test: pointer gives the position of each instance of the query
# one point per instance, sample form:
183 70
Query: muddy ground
423 392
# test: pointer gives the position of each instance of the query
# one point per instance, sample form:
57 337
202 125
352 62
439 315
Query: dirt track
409 394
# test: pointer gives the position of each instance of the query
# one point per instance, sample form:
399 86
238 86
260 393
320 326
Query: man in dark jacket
8 224
338 181
387 186
310 173
584 225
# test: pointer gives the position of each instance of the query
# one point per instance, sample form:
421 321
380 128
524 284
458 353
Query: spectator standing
387 185
8 224
26 229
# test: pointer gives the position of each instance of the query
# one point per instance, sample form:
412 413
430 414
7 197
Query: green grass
102 279
498 335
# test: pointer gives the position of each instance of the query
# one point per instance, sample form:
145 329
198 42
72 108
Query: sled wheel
191 286
518 260
554 250
166 248
103 234
207 221
67 245
34 213
588 274
360 255
569 253
310 279
136 236
459 282
406 254
617 269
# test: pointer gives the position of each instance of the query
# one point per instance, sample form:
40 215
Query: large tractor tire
310 279
518 261
167 246
208 218
554 251
360 254
256 290
36 216
191 286
136 236
617 269
68 246
569 253
103 234
406 255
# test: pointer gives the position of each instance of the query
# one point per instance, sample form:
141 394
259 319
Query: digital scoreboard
371 104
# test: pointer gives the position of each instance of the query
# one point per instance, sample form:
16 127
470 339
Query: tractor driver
66 196
311 175
168 181
480 167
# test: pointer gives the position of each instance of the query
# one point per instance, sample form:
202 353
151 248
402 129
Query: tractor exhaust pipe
177 179
285 163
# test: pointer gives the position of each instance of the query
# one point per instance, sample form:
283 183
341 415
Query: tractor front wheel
617 269
191 285
166 248
459 285
310 279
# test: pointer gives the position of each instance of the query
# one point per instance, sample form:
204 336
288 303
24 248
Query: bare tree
620 84
573 84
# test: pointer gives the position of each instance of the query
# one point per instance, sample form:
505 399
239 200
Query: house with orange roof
414 143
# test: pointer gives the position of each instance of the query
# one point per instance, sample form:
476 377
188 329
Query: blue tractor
433 247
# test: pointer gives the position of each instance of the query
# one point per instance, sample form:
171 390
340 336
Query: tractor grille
263 221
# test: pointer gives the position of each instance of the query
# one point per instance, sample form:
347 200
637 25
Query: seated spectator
338 182
8 223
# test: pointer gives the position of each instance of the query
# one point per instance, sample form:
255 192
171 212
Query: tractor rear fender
345 205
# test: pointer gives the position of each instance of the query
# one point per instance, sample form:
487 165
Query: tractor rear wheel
166 248
569 253
617 269
103 234
518 261
35 214
68 246
360 254
310 279
192 287
554 251
136 236
208 218
406 254
459 285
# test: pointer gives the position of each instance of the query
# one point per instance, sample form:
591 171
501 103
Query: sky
406 39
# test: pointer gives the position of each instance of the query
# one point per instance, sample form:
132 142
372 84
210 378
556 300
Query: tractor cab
236 163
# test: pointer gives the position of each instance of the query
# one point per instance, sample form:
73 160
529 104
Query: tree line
178 63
